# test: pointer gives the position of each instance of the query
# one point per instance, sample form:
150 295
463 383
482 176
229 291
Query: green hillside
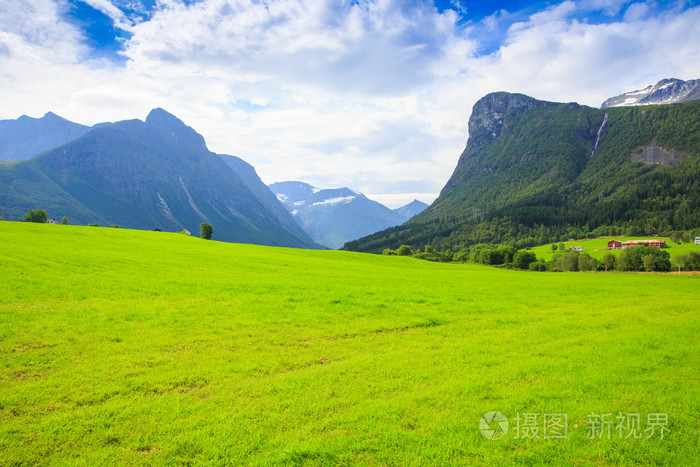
132 347
527 176
597 247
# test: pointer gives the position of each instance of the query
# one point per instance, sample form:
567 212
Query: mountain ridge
666 91
148 174
27 137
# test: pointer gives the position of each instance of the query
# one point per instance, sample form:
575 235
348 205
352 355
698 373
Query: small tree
64 221
586 262
205 231
608 261
36 215
561 247
554 247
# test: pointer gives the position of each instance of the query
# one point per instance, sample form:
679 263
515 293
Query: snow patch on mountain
334 201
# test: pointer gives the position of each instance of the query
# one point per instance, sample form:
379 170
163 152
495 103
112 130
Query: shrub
404 250
64 221
206 231
432 256
114 226
93 225
523 258
36 215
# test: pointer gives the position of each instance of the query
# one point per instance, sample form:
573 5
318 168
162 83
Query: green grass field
597 247
131 347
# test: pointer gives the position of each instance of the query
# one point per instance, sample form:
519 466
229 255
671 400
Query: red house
614 245
657 243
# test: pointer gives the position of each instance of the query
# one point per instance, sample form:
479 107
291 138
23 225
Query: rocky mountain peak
490 113
163 120
666 91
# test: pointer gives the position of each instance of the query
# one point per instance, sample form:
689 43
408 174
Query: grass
131 347
597 247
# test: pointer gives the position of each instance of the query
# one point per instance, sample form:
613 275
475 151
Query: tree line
639 258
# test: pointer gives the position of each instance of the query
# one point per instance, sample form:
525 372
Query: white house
697 240
576 248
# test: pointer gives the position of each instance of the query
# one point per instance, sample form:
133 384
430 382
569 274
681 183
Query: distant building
571 240
575 248
52 221
657 243
614 245
697 240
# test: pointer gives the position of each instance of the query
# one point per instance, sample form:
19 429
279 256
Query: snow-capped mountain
666 91
335 216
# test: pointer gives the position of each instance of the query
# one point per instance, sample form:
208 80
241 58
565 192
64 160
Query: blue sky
370 94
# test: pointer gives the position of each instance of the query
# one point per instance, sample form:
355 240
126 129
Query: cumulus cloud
370 94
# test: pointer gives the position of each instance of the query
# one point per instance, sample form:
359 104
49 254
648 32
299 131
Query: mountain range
666 91
535 171
335 216
154 174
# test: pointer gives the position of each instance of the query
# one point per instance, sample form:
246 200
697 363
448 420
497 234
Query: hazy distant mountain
666 91
146 175
26 137
332 217
411 209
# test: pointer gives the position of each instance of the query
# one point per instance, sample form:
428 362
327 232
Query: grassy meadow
131 347
597 247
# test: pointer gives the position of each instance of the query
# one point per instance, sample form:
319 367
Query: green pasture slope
132 347
597 247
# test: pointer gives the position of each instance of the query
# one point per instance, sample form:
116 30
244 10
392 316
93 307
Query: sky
374 95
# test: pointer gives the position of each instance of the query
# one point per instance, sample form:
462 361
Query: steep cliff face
494 112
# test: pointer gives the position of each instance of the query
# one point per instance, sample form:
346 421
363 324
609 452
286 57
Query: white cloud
373 95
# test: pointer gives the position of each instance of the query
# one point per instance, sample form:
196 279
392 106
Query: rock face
491 115
492 112
148 175
26 137
666 91
332 217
